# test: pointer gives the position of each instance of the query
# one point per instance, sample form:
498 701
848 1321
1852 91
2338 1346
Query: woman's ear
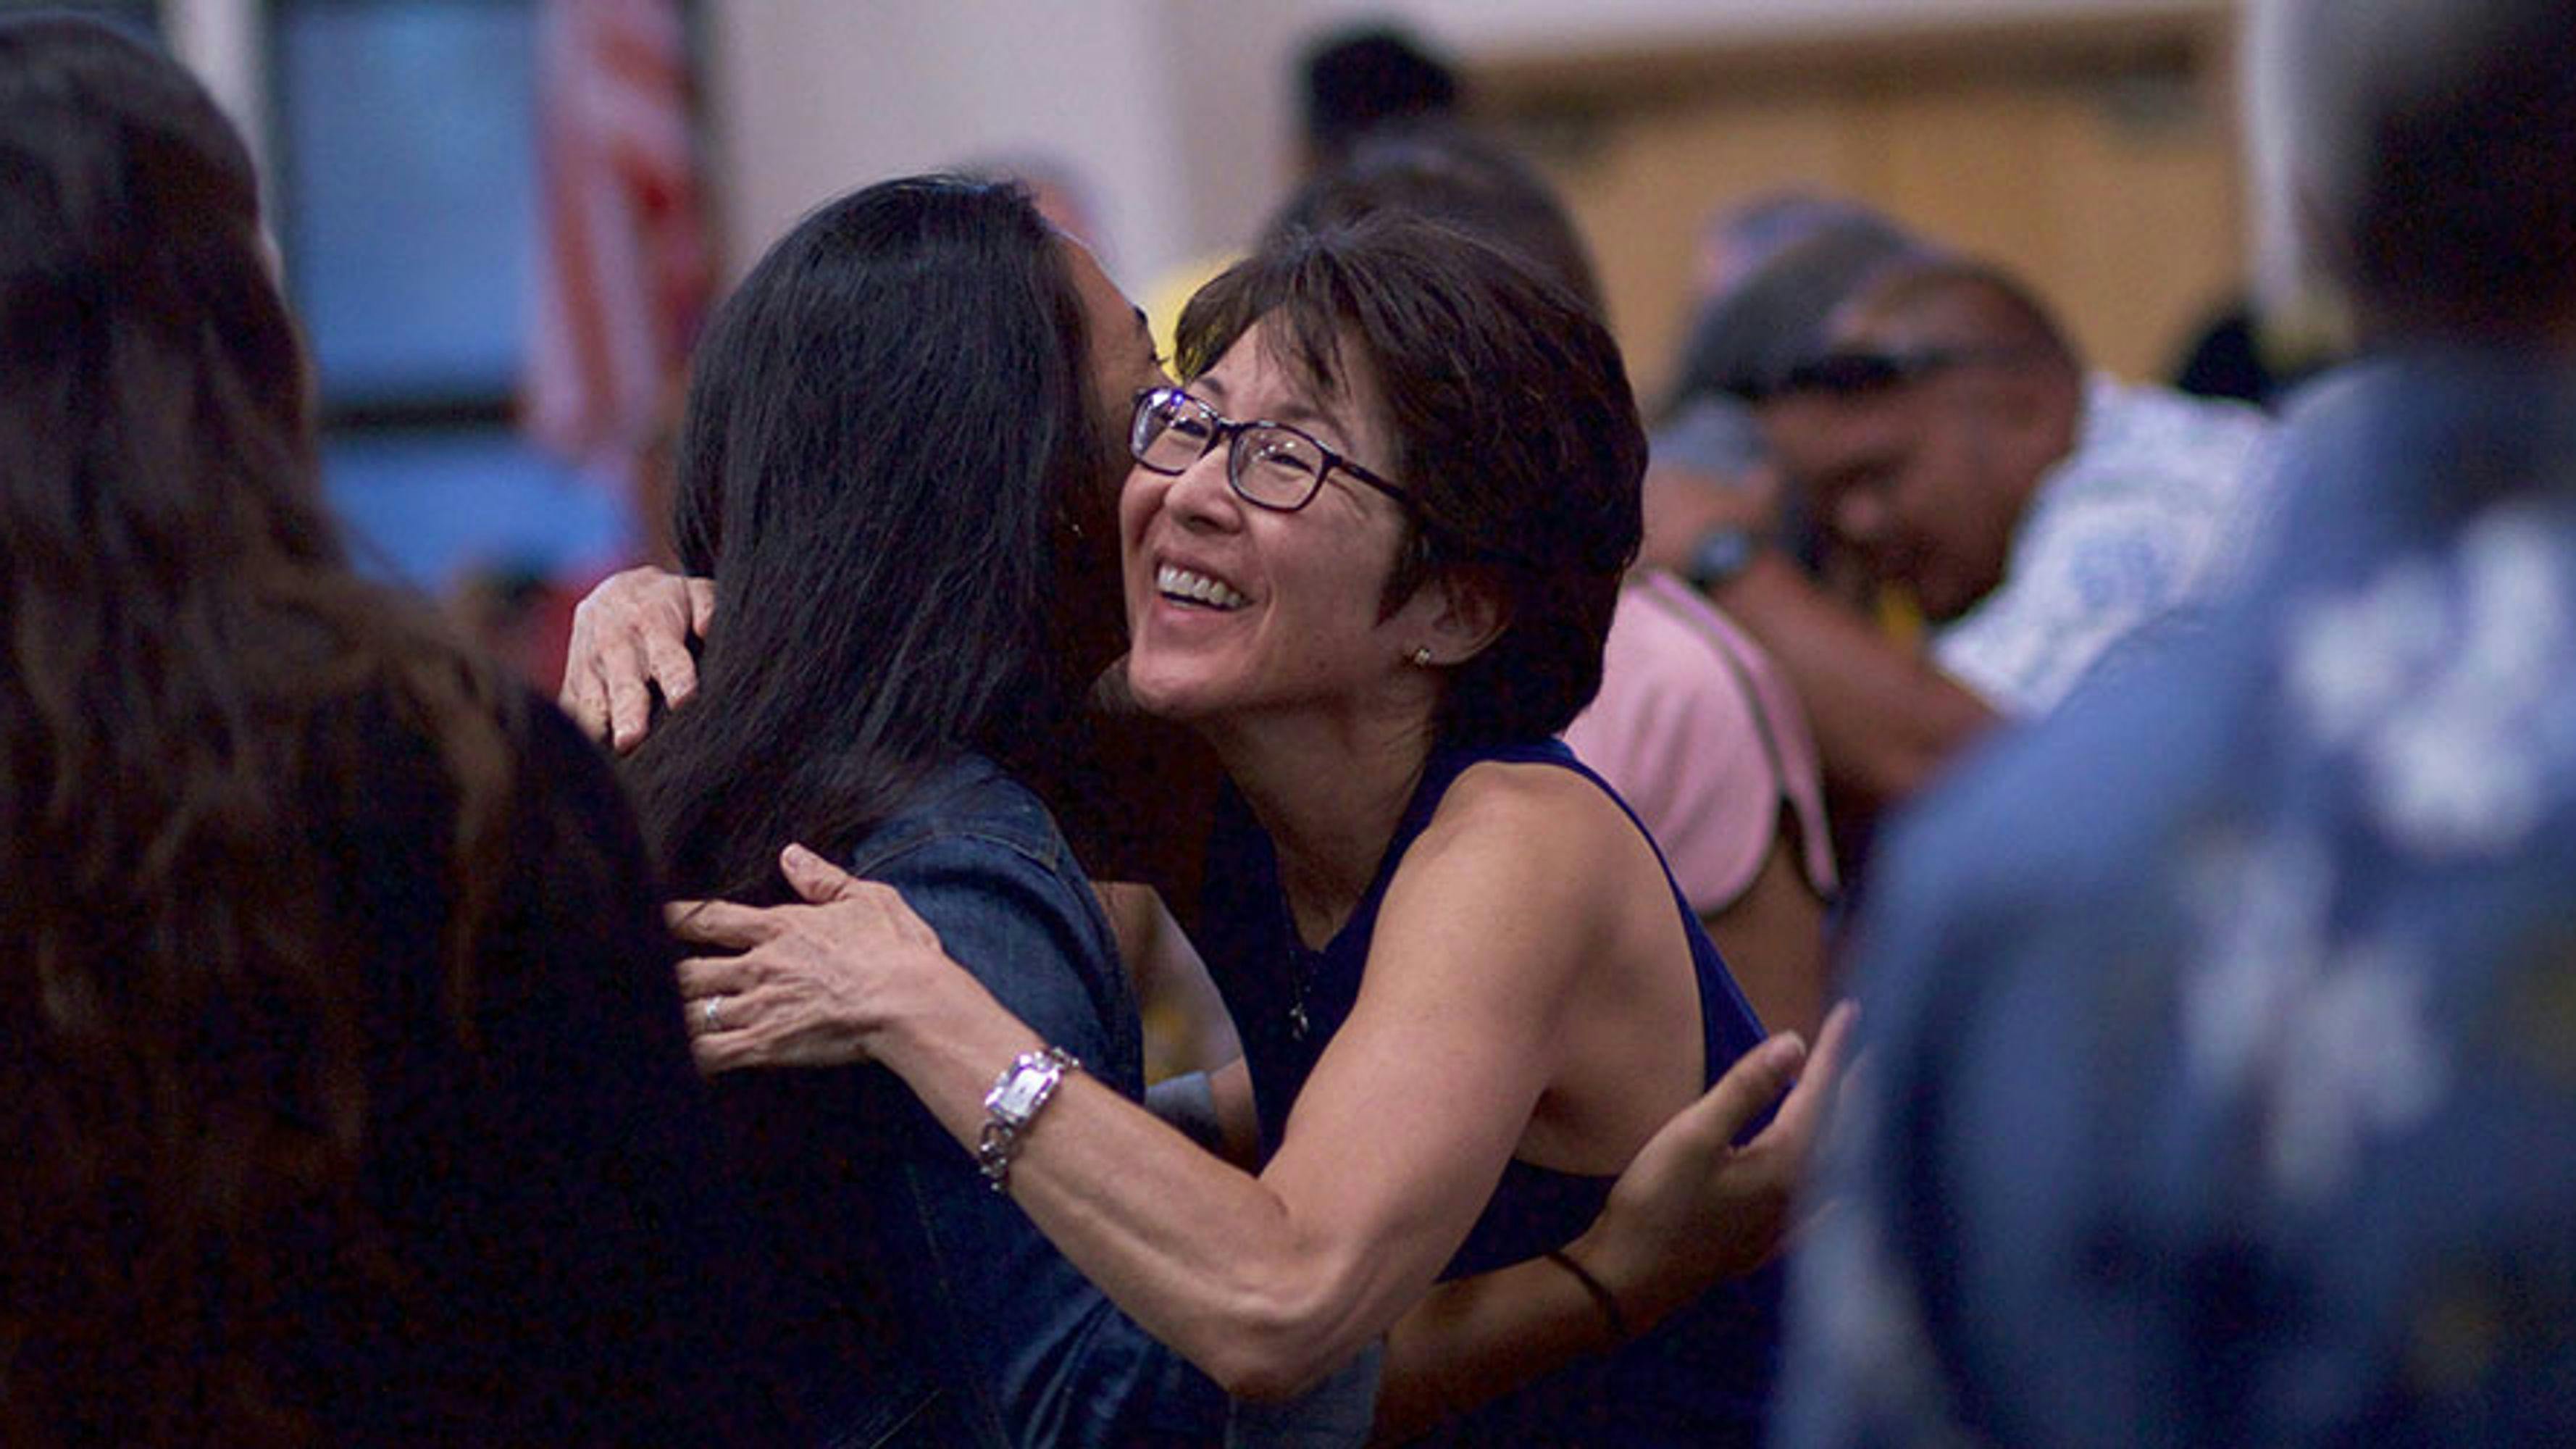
1465 611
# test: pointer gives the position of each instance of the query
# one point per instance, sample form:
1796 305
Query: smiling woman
1416 898
865 521
1250 622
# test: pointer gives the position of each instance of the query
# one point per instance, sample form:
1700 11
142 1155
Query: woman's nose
1200 495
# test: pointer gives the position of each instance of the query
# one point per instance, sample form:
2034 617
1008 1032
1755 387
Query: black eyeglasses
1846 374
1270 465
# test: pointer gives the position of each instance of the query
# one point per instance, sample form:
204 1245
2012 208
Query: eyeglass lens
1272 466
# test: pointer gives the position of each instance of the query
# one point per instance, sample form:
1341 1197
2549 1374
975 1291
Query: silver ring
708 1010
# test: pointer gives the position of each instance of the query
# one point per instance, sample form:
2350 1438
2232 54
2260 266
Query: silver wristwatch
1018 1095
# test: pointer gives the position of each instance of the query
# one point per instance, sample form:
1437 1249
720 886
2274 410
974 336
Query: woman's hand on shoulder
631 635
805 985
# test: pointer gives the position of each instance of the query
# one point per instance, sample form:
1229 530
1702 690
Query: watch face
1019 1095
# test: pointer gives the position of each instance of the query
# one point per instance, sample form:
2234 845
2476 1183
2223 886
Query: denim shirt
955 1320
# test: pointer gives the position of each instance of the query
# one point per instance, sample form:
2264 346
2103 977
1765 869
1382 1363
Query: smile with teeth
1196 588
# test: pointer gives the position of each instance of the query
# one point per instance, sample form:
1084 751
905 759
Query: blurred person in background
1366 78
1716 505
1770 273
1352 82
2224 1079
1949 444
1446 173
348 1095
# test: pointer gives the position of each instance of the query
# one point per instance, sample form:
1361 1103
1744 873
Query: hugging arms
1695 1207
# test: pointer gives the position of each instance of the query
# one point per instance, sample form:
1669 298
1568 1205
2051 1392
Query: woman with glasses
1370 552
898 468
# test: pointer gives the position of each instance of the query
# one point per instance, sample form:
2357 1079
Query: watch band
1018 1095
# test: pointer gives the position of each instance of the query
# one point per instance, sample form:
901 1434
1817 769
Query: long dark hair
889 428
181 1050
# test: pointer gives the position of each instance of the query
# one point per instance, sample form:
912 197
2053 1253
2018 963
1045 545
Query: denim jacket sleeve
1034 1353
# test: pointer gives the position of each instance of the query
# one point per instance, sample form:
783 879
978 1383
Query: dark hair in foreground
1516 436
181 1049
888 426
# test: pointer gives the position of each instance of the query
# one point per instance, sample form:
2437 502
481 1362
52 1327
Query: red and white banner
624 266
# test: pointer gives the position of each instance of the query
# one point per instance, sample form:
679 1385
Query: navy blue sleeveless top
1704 1376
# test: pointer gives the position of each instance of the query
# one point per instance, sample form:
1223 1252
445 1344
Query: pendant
1297 1019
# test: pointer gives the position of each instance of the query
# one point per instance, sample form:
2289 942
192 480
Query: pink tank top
1696 728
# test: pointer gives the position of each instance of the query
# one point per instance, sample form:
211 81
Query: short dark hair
889 423
2437 143
1516 436
1359 79
1449 175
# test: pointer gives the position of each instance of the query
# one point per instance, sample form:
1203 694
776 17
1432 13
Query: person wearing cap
1949 447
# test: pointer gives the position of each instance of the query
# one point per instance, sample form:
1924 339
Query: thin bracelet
1601 1297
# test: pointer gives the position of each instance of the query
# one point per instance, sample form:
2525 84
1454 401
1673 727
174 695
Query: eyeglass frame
1229 432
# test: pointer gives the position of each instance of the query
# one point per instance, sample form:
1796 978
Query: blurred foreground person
2228 1096
346 1089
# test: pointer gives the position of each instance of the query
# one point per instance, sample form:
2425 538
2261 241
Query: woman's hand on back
807 984
631 635
1693 1208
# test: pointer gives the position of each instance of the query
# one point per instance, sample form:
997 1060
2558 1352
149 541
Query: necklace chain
1301 977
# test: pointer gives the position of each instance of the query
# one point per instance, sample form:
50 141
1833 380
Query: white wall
808 98
1180 113
222 40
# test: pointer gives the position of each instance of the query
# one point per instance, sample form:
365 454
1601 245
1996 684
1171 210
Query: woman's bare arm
1691 1211
1267 1282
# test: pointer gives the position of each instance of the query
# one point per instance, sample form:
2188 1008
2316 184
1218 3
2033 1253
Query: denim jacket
954 1320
